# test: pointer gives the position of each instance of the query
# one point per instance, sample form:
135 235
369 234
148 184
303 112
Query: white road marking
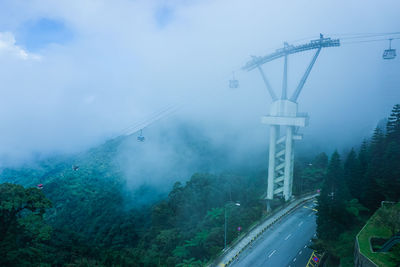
300 252
305 246
300 223
272 253
294 259
288 237
310 214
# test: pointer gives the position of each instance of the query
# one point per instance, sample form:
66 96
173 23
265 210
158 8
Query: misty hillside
124 174
173 149
103 206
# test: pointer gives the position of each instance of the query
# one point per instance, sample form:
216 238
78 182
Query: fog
74 74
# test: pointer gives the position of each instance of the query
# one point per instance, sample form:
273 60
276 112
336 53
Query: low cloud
126 59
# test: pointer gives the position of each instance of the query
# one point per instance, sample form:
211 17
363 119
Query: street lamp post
226 221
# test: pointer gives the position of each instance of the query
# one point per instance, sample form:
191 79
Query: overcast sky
76 72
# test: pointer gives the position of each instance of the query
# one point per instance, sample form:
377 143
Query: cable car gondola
389 53
233 83
140 138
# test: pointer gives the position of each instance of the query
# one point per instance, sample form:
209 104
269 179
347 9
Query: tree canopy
22 228
352 191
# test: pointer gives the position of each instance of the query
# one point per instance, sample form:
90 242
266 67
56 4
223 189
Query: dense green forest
93 217
353 189
90 217
187 224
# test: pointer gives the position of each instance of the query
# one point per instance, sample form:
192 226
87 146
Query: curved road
284 244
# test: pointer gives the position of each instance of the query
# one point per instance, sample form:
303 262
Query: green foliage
354 208
22 229
312 178
181 252
373 191
390 217
381 164
338 217
308 177
96 220
352 174
192 218
192 262
353 192
379 226
320 161
393 124
395 255
332 216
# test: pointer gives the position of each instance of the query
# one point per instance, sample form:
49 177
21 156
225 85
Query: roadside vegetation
352 191
382 225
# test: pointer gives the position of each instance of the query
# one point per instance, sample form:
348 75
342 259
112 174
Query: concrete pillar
288 162
271 166
292 171
268 205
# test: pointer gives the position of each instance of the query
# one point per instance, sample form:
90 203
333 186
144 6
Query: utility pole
226 220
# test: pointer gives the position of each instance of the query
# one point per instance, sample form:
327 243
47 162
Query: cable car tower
284 117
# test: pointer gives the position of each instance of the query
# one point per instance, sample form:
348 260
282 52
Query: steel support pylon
284 120
281 155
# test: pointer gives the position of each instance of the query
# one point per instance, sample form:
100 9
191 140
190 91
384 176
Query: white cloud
121 65
8 47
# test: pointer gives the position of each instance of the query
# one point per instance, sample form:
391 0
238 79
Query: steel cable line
155 116
346 36
148 119
370 41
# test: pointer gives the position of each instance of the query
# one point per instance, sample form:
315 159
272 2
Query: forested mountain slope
118 197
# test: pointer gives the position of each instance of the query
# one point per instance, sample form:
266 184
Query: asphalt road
284 244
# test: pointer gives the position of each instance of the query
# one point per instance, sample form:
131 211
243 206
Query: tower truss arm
284 81
267 84
291 49
297 92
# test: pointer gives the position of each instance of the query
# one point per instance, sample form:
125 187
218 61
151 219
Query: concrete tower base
283 118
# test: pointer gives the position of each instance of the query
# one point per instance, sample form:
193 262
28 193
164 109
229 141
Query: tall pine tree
352 174
372 194
391 176
332 217
320 161
393 124
363 158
